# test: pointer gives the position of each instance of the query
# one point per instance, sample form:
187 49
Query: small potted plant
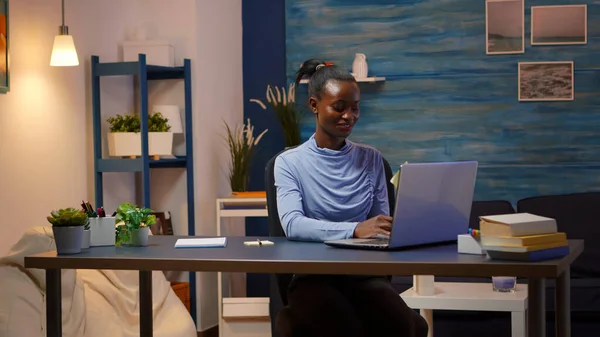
242 148
137 223
124 139
67 226
160 139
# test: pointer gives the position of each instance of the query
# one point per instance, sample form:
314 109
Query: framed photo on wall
546 81
564 24
504 27
4 41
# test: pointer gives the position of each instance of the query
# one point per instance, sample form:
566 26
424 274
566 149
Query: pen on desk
259 242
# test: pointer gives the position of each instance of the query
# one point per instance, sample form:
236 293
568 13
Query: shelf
136 165
133 68
372 79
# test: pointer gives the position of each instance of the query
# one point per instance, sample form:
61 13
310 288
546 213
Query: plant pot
124 144
85 240
139 237
102 231
160 143
68 239
129 144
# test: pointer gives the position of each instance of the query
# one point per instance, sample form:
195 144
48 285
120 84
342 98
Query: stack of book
522 237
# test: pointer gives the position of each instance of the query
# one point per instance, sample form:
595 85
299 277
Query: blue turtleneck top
322 194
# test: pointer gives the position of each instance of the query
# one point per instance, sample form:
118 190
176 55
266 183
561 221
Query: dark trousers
352 306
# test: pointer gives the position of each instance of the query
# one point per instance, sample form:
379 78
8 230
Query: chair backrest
577 215
275 228
488 207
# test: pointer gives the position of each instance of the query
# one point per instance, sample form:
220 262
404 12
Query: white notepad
201 243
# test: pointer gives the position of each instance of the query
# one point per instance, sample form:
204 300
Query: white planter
160 143
85 241
124 144
102 231
129 144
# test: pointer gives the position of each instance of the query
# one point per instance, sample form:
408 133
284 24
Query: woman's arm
381 202
296 225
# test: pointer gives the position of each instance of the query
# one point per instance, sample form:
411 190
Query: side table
242 314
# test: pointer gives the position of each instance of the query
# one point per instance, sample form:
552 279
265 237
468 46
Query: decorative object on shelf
4 42
546 81
64 53
286 110
360 68
67 226
505 26
572 27
504 284
158 52
172 114
242 148
136 223
125 140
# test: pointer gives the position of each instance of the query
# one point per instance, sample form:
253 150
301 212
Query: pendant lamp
63 50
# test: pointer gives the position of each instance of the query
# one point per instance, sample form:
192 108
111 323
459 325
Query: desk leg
563 304
146 324
53 303
536 307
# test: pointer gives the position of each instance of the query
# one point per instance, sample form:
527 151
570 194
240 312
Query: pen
259 242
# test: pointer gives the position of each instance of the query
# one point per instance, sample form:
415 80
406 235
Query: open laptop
433 206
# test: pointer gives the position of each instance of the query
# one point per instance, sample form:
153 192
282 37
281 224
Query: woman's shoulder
366 149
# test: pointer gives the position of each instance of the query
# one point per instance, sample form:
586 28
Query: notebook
201 243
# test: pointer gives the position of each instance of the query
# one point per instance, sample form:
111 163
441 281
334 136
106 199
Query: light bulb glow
63 52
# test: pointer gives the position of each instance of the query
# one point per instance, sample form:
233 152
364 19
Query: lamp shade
63 52
171 112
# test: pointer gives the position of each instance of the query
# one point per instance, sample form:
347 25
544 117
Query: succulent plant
68 217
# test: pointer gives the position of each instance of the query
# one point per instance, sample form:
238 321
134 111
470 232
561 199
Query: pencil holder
102 231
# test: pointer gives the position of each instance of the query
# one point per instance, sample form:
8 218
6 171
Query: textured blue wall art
445 99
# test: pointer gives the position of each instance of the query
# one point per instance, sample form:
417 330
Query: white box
158 52
246 317
102 231
467 244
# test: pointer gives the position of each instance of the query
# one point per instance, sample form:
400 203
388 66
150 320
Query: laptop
433 206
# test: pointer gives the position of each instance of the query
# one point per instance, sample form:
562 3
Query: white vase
360 68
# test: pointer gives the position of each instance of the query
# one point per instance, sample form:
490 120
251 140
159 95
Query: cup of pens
102 227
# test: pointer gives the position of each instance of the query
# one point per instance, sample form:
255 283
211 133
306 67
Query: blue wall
445 99
263 47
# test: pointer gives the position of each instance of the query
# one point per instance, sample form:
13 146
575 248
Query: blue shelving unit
145 73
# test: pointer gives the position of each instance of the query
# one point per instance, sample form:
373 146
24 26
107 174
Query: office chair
285 321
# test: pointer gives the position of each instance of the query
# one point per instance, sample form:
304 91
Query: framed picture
546 81
504 27
566 24
4 40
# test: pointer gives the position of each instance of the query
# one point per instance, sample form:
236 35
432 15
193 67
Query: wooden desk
307 258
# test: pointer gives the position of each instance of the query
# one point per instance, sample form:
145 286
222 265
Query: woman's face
338 109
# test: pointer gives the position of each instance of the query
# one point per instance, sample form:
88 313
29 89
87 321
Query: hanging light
63 51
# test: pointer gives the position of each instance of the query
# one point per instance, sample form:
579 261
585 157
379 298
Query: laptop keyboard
375 241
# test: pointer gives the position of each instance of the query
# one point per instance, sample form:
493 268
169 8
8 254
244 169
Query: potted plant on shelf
160 139
125 139
137 223
67 226
242 148
287 112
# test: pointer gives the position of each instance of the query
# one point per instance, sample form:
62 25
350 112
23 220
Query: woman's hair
319 72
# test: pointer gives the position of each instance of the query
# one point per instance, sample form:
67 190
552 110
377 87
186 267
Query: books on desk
522 237
201 243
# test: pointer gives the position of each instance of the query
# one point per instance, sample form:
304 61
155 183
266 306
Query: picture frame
572 30
504 27
4 48
546 81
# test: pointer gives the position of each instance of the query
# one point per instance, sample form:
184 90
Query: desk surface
300 258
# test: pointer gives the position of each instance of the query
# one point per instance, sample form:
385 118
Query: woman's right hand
381 224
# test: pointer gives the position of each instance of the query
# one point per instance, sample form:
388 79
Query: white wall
53 106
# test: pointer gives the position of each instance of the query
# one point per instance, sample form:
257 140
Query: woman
331 188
